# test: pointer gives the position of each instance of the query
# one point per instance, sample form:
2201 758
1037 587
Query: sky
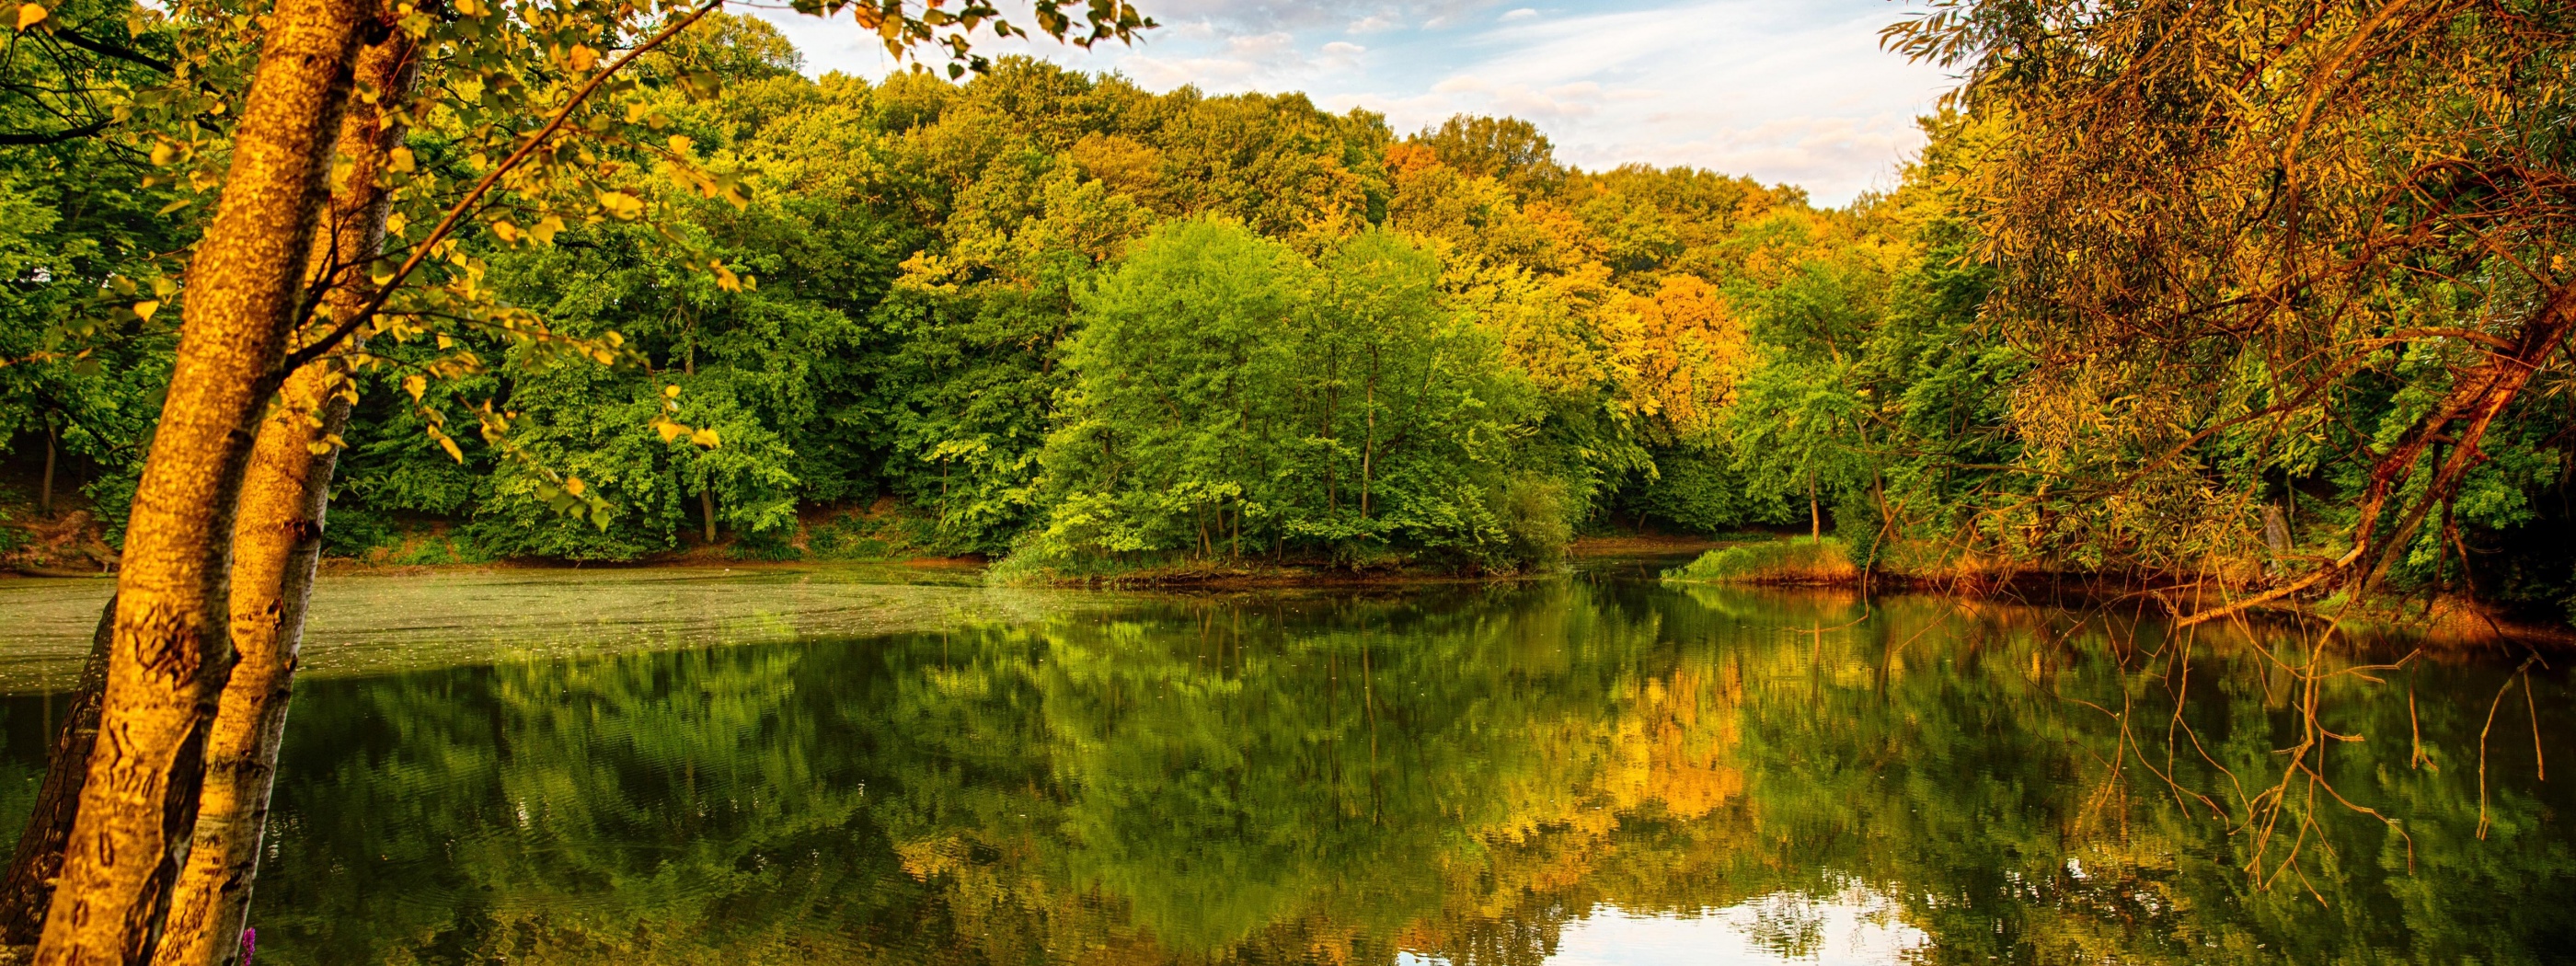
1792 91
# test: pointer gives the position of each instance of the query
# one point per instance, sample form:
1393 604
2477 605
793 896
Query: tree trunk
171 653
29 884
277 542
707 509
45 490
2276 537
1368 450
1332 462
1815 513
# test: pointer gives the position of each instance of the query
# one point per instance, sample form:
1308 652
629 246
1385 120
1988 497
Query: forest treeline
1056 314
1054 318
1065 320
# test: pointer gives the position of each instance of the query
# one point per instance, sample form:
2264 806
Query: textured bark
45 490
29 883
707 509
171 653
277 541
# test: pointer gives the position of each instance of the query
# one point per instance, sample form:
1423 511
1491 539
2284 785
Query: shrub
1798 561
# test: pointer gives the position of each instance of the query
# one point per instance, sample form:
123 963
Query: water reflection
1563 773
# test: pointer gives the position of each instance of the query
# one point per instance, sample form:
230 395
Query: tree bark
1815 513
29 884
2276 538
277 543
1368 450
45 490
707 509
171 653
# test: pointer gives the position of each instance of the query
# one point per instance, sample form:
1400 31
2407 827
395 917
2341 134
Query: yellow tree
2275 234
1676 353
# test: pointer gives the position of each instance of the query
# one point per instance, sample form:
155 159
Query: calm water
1589 771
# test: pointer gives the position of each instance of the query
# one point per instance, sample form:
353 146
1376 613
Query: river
834 766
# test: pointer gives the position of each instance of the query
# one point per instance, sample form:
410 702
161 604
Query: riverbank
427 557
1251 573
2441 621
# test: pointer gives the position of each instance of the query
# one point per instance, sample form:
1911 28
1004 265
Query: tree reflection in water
1487 776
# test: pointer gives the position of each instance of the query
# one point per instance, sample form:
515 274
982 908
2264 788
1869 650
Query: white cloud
1373 24
1265 46
1784 92
1523 13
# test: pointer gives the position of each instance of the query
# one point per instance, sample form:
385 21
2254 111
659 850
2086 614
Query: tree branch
115 51
457 212
90 129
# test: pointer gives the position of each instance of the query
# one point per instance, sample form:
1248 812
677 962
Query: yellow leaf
317 447
163 152
672 390
545 230
680 144
506 231
583 58
30 15
620 205
401 159
574 485
704 437
415 385
144 310
669 430
449 445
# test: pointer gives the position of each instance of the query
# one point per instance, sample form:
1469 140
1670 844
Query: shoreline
2446 622
1208 575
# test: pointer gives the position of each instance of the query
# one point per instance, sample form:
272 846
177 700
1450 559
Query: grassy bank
1802 561
1027 569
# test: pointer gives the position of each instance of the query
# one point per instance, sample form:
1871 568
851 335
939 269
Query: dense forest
1055 319
1054 314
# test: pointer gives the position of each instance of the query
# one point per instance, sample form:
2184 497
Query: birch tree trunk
277 542
170 653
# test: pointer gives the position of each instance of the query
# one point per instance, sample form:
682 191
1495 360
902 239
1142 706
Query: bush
1536 521
1798 561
